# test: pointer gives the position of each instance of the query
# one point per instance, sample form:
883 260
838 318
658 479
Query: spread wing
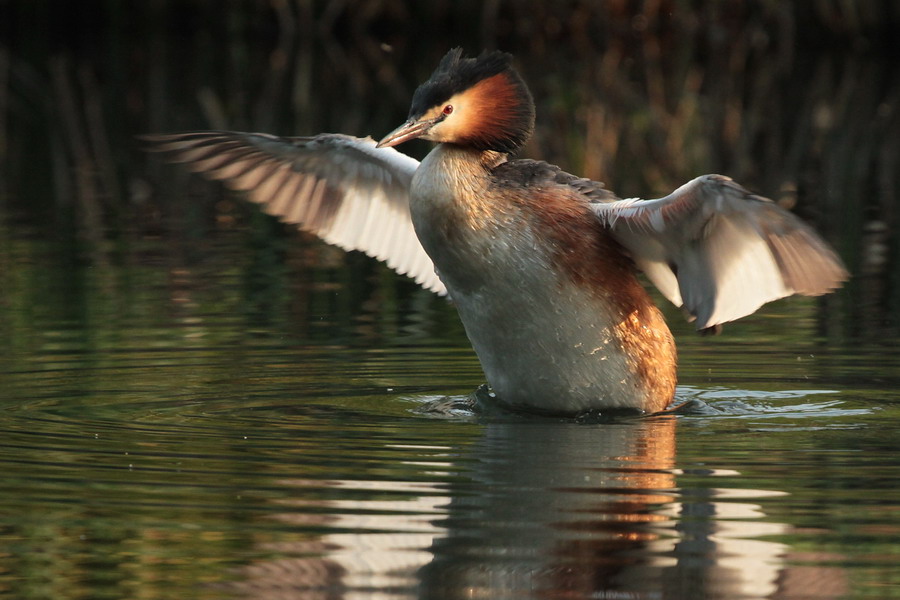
341 188
720 251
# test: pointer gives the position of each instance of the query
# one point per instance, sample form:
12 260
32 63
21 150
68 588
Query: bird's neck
451 182
454 162
454 207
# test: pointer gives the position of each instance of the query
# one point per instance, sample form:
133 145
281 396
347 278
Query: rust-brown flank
587 254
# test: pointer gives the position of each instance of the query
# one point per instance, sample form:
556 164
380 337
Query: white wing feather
341 188
720 251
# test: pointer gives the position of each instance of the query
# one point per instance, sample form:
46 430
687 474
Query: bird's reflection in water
538 509
560 508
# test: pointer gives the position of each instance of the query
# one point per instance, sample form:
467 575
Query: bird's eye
448 109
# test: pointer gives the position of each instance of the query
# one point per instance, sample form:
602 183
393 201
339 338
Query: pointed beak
408 131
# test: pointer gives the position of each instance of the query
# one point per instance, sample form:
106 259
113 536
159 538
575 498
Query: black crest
455 74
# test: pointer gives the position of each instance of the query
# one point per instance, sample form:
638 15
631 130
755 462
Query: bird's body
549 301
541 265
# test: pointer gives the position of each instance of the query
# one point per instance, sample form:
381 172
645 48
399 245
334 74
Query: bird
541 265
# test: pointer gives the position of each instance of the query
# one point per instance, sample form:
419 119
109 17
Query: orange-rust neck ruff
497 117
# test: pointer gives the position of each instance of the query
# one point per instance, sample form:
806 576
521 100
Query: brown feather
588 255
499 117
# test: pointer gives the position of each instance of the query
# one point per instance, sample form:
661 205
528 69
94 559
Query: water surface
162 435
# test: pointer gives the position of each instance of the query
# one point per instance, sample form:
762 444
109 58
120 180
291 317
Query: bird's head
481 103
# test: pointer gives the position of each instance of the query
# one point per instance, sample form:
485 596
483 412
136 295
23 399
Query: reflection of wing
720 251
341 188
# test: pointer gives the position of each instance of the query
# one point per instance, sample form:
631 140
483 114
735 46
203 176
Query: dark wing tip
808 266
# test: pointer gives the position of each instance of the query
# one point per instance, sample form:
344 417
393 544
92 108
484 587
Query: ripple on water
794 408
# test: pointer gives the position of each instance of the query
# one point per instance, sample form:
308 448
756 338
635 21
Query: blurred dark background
799 101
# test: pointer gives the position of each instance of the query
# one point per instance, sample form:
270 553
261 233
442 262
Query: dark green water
166 433
198 403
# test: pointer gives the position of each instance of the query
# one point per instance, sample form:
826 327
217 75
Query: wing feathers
729 251
341 188
710 246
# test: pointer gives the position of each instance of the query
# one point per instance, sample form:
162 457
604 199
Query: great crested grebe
540 264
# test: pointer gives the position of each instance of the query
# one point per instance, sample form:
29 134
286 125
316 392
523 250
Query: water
164 434
198 403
